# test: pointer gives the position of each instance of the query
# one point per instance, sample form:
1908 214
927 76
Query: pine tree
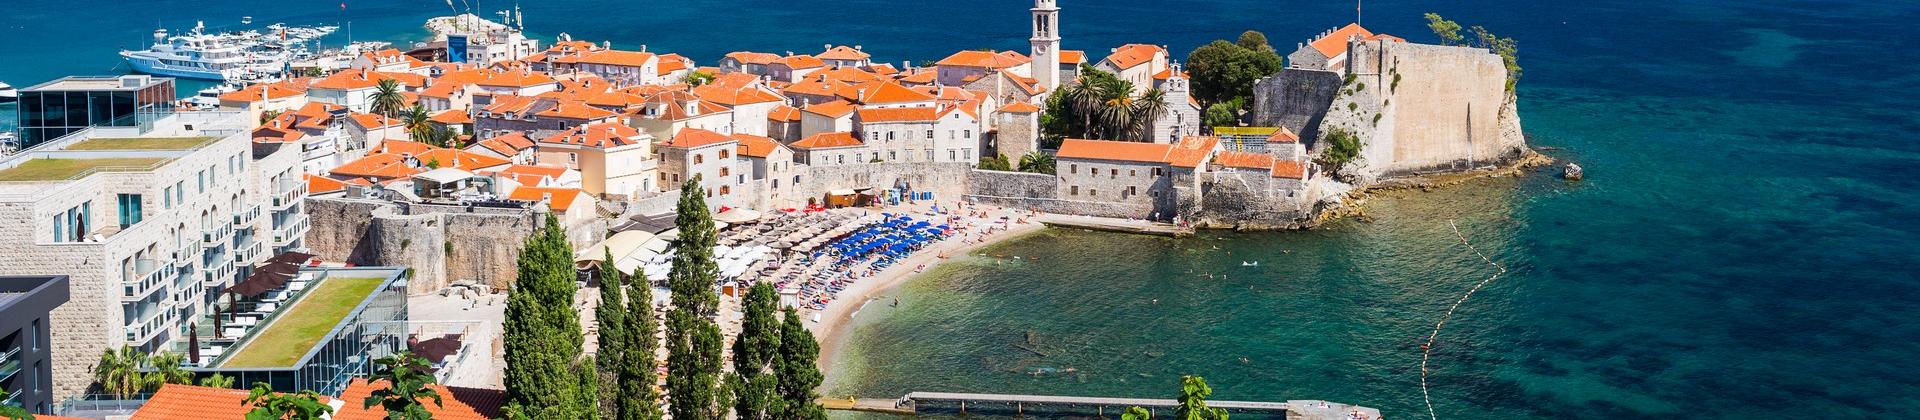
542 330
693 341
637 399
798 375
611 316
755 387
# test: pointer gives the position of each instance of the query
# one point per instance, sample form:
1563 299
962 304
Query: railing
289 194
218 272
11 397
217 234
247 216
188 253
141 331
10 365
290 231
151 275
249 253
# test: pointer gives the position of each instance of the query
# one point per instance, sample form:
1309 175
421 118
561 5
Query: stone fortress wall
442 244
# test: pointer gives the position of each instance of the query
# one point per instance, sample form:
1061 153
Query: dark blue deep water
1745 246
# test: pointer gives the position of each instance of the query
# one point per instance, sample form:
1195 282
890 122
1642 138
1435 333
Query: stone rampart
442 244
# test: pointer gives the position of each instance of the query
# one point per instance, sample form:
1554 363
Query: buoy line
1426 351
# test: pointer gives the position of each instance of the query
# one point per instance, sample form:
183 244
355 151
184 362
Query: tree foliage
1193 401
269 405
995 163
217 381
694 344
542 330
1447 30
798 375
637 399
388 99
611 316
1506 48
1223 71
167 369
1100 105
1342 147
1136 413
755 392
118 372
1037 162
407 381
419 124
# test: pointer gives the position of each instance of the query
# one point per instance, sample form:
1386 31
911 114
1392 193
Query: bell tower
1046 44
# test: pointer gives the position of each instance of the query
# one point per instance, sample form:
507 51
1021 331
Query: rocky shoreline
1352 204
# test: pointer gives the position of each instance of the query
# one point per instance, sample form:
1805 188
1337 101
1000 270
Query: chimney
856 47
825 47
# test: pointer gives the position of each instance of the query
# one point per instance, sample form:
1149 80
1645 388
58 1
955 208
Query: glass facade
50 112
376 329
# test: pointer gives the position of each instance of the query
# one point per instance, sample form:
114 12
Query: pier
916 402
1105 224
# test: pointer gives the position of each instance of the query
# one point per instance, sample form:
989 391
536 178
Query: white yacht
8 93
198 55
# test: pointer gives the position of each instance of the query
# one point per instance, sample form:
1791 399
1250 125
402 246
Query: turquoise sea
1744 247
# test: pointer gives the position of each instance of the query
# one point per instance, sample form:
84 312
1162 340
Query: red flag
343 6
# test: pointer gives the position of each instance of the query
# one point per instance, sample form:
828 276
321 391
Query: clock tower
1046 44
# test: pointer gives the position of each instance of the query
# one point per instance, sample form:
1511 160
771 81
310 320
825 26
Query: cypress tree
611 316
638 400
693 341
542 331
755 387
798 375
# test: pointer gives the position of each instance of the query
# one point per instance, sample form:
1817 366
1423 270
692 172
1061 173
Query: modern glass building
53 109
26 352
279 352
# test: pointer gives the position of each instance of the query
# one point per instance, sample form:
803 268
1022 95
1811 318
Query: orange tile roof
1335 43
405 79
1244 160
755 146
277 131
921 77
800 62
784 113
1283 135
512 79
450 158
884 92
350 80
1020 108
188 402
830 140
1191 151
377 165
1188 152
1289 169
577 111
1167 73
601 136
321 185
276 90
735 94
882 69
534 170
890 115
846 74
611 58
984 59
561 200
816 87
505 145
1130 55
1073 57
668 66
453 116
749 57
835 109
401 146
690 138
842 52
373 121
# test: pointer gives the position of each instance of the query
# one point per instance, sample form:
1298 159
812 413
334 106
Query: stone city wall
442 244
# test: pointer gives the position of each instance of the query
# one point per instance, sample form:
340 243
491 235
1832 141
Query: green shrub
1342 147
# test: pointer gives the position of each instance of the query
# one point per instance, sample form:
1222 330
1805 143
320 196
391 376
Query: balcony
245 217
217 234
10 363
218 272
250 252
149 276
188 253
293 229
288 194
160 320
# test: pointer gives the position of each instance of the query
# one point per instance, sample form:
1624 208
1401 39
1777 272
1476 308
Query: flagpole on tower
1356 11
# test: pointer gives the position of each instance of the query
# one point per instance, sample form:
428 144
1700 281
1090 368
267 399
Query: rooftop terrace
58 169
141 143
296 332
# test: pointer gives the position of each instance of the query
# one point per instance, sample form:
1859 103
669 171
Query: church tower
1046 44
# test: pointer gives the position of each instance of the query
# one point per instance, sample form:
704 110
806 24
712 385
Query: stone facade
442 244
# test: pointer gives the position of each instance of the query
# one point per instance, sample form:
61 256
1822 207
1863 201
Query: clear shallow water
1744 247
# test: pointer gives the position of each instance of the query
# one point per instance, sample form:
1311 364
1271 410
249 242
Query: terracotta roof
576 111
1130 55
985 59
561 200
277 131
531 175
835 109
405 79
784 113
689 138
1289 169
1283 135
846 74
450 158
602 135
733 94
1019 107
1244 160
1188 152
350 80
453 116
882 69
842 52
400 146
887 115
1335 43
749 57
1073 57
512 79
830 140
276 90
188 402
800 62
756 146
921 77
611 58
1167 73
1191 151
816 87
320 185
505 145
884 92
669 65
377 165
371 121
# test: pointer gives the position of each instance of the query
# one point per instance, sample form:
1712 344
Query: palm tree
387 99
1146 109
1037 162
167 369
407 382
217 381
419 124
1081 99
119 372
269 405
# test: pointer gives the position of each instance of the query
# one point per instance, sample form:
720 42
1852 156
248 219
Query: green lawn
62 169
140 143
297 330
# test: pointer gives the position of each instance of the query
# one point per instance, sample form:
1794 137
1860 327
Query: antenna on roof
1356 11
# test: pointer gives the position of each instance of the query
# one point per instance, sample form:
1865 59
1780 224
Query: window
929 134
698 159
966 133
180 191
740 179
953 154
841 159
725 154
1133 172
1073 169
166 197
967 154
202 179
1093 192
893 155
889 136
724 190
71 225
129 207
1156 172
709 192
1114 173
724 172
929 155
1074 190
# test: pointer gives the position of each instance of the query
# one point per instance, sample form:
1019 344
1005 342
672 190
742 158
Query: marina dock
918 402
1105 224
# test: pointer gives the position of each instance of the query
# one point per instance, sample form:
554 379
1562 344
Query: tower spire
1046 44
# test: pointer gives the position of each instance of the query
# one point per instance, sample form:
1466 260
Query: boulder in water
1573 172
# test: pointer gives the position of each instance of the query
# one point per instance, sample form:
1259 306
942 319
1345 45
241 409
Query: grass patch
63 169
296 331
140 143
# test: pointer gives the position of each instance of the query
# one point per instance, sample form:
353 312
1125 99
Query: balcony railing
289 193
290 231
249 253
218 272
217 234
149 276
246 216
9 363
142 330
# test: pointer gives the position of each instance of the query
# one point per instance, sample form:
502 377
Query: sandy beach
830 332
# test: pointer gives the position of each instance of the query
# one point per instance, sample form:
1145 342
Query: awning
445 175
620 244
